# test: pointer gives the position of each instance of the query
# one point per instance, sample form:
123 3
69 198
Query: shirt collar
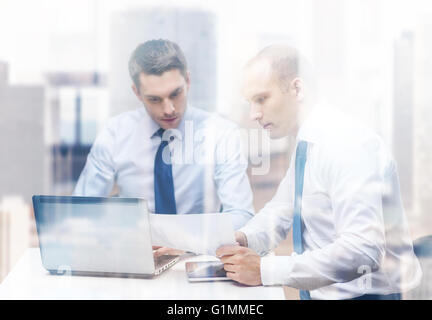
180 132
149 125
314 125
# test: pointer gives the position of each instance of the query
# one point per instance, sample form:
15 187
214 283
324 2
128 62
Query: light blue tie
163 181
300 162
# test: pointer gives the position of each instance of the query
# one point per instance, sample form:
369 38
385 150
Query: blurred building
403 113
22 161
14 232
353 72
78 108
4 74
193 30
422 148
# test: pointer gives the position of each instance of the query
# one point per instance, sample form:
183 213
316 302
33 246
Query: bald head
274 84
286 63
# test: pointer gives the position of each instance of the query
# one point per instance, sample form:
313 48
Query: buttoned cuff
275 270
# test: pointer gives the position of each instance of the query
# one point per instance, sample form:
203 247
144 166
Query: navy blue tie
163 180
300 162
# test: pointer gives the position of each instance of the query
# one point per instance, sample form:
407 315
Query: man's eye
175 94
260 100
153 100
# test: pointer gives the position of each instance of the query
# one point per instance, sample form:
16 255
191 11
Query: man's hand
241 238
242 264
160 251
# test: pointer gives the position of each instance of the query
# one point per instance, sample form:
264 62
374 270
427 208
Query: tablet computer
206 271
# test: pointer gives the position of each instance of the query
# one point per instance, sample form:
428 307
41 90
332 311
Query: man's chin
173 124
275 134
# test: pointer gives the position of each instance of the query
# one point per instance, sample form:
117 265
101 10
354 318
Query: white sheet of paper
199 233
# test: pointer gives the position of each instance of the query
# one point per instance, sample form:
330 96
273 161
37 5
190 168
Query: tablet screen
206 271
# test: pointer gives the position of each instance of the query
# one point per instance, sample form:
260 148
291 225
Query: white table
29 280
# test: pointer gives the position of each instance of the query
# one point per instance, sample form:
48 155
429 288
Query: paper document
198 233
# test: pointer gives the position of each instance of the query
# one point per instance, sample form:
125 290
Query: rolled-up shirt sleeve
97 177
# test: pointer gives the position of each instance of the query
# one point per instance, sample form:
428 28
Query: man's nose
255 113
168 107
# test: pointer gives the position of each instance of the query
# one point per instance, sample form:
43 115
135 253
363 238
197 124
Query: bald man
340 196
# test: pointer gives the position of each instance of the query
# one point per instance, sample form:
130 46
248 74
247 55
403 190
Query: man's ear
188 79
297 88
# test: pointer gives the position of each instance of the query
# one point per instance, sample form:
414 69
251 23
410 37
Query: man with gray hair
340 196
179 158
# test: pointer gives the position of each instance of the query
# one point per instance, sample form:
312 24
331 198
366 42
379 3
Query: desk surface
29 280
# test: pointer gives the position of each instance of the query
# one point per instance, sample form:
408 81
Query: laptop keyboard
163 260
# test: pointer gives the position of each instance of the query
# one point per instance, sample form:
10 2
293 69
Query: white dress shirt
208 166
354 221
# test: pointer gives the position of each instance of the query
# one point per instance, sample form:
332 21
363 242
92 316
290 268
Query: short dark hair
154 57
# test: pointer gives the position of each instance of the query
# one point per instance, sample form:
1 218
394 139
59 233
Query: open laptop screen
89 234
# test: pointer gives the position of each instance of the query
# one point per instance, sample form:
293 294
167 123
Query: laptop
96 236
